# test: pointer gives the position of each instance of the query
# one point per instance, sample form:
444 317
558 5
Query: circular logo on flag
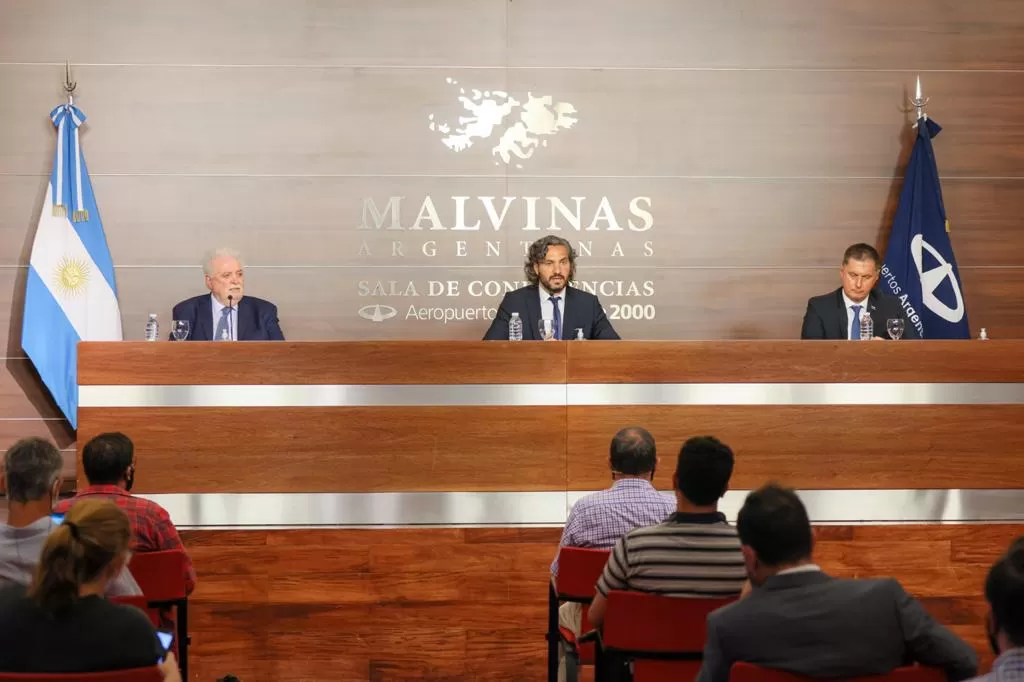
932 279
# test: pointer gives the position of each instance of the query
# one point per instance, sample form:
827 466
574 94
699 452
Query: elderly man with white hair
226 314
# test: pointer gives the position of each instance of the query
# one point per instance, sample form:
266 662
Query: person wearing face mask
63 624
837 315
550 267
226 313
1004 592
31 480
800 620
109 464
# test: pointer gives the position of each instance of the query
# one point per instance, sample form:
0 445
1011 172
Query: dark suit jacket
257 319
815 625
826 316
581 310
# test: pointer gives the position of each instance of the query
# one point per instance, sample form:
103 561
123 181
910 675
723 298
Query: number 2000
636 311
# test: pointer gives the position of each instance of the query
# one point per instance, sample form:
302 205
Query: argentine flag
70 294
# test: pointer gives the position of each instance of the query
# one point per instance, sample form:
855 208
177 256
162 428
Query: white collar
545 294
863 304
804 568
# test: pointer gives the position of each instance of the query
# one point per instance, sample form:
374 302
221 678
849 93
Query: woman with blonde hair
63 624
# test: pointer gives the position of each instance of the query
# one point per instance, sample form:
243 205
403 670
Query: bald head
633 452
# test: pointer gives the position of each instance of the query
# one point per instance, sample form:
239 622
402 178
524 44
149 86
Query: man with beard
550 267
109 464
1004 591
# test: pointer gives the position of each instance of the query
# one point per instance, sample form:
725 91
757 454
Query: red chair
662 636
151 674
161 575
578 571
748 672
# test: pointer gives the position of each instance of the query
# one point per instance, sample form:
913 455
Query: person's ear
3 483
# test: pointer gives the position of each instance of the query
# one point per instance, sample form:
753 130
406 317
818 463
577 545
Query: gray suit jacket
815 625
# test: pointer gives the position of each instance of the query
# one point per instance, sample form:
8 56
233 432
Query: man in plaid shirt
1004 591
600 519
109 463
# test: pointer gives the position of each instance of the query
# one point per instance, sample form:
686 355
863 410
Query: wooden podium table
271 452
473 416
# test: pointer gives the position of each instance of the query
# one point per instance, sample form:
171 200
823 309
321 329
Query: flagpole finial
69 85
917 103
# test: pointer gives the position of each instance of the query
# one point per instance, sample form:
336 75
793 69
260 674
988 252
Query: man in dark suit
226 314
550 267
802 621
837 315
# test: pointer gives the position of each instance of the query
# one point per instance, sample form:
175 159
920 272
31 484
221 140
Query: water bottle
579 334
515 328
152 328
983 336
867 327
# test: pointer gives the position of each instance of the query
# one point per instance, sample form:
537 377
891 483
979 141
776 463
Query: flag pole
917 103
69 85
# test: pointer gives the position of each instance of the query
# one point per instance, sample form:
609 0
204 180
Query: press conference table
519 419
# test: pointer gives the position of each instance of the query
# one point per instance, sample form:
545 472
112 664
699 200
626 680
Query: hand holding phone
165 642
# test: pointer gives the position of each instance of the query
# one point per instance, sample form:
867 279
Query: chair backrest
748 672
161 575
641 623
578 571
151 674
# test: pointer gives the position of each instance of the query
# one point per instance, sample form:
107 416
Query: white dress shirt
849 312
547 308
217 308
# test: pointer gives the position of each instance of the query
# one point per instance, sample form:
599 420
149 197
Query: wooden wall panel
814 447
172 221
195 32
794 361
452 362
796 34
822 123
483 616
341 449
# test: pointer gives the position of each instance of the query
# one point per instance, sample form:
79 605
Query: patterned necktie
558 317
222 326
855 331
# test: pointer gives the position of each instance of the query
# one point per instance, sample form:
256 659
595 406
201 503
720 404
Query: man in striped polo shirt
695 553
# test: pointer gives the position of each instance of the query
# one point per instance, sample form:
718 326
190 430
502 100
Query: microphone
231 311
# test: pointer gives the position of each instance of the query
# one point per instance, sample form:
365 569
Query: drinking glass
547 329
179 329
895 328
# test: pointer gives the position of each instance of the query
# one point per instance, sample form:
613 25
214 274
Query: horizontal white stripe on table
284 510
515 395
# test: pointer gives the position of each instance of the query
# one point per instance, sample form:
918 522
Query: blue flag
920 267
70 293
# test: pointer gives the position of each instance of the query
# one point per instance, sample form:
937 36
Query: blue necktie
855 332
222 326
558 317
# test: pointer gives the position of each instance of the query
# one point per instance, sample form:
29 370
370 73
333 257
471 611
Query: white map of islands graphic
536 119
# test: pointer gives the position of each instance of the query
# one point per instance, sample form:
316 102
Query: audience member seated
31 479
1004 591
64 624
802 621
695 553
109 463
598 520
